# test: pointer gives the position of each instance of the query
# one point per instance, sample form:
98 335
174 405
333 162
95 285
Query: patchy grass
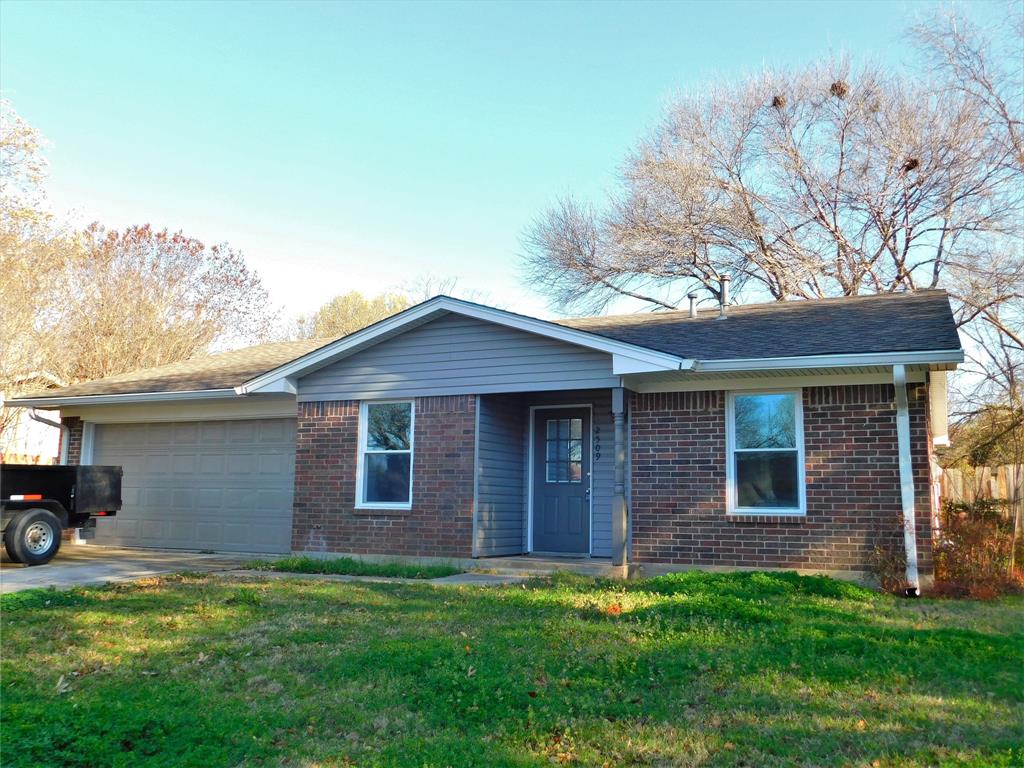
749 669
351 567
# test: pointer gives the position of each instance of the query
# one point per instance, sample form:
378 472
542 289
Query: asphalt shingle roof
223 370
898 322
921 321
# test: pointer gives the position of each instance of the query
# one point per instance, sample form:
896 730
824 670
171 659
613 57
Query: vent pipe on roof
723 296
693 304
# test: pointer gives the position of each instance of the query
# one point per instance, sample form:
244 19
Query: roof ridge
787 303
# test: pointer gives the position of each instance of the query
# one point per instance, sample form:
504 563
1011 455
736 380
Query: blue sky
354 146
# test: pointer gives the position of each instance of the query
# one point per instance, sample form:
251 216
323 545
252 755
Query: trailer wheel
33 537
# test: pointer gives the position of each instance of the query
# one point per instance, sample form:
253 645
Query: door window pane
767 479
563 459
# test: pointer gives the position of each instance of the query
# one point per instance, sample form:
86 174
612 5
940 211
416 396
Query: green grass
351 567
695 669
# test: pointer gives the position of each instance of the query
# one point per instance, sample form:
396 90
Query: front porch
550 478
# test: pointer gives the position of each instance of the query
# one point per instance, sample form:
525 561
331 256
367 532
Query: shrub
888 559
973 549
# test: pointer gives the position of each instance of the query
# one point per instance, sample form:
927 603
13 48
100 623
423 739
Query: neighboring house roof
894 322
220 371
819 332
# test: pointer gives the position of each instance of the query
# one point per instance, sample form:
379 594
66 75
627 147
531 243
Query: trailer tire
33 537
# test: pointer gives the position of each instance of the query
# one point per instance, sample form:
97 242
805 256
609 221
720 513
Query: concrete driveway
78 565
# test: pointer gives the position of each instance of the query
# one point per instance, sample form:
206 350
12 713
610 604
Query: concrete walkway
78 565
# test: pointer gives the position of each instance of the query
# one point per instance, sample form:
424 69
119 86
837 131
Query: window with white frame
766 448
385 455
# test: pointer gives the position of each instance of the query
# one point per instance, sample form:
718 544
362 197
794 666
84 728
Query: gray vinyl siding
503 469
501 494
456 355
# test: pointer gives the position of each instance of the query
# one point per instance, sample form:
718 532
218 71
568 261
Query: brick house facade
602 437
440 522
678 483
852 483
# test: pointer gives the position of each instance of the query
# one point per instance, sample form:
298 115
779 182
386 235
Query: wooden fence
1005 482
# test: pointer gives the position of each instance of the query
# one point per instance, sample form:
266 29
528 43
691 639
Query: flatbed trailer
38 501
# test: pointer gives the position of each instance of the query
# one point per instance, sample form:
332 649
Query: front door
561 480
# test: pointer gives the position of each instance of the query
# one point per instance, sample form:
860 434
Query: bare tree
827 180
33 253
428 285
985 64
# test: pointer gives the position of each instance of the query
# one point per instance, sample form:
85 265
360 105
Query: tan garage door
212 485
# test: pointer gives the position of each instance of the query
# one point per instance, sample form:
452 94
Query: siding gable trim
626 358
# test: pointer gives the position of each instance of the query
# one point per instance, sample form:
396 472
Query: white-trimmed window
384 467
765 447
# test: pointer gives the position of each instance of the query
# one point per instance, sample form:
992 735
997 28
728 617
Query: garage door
216 485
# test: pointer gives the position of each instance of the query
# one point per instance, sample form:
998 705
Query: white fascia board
284 385
625 364
131 397
654 360
952 356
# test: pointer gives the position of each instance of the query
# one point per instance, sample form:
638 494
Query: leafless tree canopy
827 180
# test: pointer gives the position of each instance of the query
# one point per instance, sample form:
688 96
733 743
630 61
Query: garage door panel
160 435
155 463
272 464
186 434
243 432
183 464
277 431
213 433
201 485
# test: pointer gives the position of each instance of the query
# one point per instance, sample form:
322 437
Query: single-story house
783 435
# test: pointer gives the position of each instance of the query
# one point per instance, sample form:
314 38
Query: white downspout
65 432
899 376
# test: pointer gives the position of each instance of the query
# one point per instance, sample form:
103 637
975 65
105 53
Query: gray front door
561 480
219 485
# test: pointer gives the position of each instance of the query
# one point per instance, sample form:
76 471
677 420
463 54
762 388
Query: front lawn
694 669
349 566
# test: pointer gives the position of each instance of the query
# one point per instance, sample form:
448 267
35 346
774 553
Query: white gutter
65 433
899 377
830 361
131 397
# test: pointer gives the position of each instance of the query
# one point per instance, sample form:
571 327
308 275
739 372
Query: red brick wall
852 471
440 523
74 434
74 438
